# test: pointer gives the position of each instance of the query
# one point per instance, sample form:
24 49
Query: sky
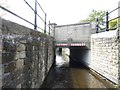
60 12
72 11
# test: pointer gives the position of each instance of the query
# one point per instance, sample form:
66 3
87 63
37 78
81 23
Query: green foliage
96 14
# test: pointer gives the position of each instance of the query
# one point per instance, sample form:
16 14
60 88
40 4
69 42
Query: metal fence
36 16
107 21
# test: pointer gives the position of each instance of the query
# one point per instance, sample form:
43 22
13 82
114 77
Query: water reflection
64 76
62 59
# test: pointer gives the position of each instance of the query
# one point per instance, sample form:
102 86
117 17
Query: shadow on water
74 64
76 75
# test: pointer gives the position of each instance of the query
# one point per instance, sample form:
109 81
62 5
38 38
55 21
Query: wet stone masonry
104 54
25 56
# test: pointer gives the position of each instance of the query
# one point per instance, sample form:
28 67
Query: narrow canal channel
62 75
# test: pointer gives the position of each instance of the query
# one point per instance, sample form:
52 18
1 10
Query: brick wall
104 54
26 56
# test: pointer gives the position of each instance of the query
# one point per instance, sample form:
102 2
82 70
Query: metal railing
36 16
107 21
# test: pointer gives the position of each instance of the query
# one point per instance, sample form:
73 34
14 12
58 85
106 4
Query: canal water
62 75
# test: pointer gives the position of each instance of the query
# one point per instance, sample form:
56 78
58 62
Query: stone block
29 55
29 47
10 67
19 63
9 46
22 55
21 47
17 56
23 41
1 44
8 56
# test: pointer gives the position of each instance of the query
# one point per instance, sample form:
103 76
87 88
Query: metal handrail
114 10
107 17
29 5
16 15
39 15
36 15
107 20
45 16
41 7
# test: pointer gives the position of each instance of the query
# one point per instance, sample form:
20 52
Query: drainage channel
62 75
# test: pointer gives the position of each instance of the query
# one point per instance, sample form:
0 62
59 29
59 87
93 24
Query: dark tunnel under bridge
79 55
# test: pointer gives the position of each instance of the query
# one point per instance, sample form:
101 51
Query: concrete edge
103 79
107 34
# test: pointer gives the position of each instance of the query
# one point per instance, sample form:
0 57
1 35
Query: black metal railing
107 21
36 16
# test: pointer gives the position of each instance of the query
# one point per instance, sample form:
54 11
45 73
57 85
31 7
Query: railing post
107 27
35 21
45 23
49 27
97 27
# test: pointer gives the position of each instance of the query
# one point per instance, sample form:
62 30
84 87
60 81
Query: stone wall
104 54
119 41
26 56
